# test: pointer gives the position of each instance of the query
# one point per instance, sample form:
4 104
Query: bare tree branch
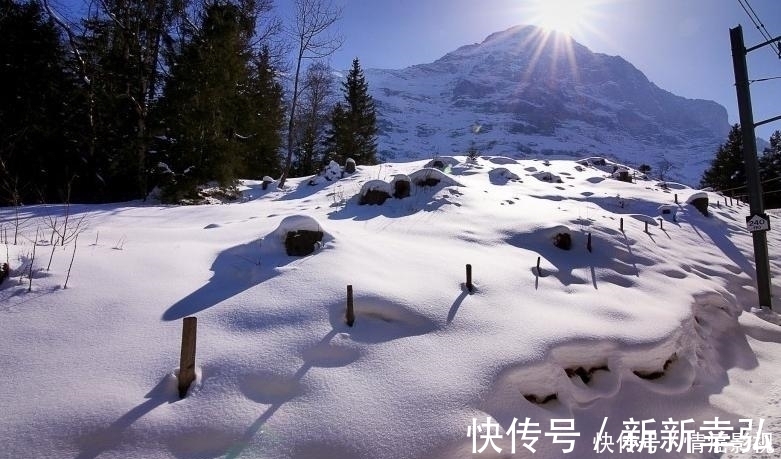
313 18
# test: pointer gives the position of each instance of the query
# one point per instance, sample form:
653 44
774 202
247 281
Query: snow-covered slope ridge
649 324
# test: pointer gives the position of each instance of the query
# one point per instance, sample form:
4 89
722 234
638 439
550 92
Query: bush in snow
431 177
333 171
375 192
401 186
622 174
442 162
563 241
300 243
349 166
700 201
301 235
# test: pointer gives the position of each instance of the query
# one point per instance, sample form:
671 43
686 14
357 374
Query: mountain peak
535 92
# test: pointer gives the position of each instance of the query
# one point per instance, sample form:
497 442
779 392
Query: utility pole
747 126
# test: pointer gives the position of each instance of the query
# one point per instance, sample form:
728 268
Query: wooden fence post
350 315
469 285
588 243
646 226
676 198
187 358
538 267
621 224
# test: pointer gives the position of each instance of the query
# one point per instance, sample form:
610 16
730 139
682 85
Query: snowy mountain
525 92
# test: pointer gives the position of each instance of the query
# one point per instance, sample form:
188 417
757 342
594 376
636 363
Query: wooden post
661 224
646 226
469 285
350 315
676 198
187 358
725 200
588 243
538 267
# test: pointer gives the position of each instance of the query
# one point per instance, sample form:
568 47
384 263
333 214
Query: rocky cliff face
525 92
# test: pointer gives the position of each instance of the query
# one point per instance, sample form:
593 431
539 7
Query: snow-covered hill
651 325
525 92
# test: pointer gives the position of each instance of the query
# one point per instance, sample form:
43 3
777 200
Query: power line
760 26
744 186
765 79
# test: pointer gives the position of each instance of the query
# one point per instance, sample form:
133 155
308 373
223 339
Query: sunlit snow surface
661 321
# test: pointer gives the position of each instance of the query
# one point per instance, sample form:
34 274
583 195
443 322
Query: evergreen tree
264 108
221 111
354 123
728 169
122 47
199 102
770 172
37 152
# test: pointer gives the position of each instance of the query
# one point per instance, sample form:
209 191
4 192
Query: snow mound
442 162
548 177
502 175
430 177
275 241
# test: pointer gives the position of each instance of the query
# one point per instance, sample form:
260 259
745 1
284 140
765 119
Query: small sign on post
758 222
187 358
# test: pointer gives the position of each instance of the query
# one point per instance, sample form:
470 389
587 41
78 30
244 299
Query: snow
658 325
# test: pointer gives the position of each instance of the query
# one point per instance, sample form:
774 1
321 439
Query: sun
566 16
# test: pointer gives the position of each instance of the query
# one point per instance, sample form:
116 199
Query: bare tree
312 20
663 168
316 102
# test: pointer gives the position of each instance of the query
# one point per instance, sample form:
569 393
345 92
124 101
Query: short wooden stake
676 198
469 285
621 225
538 267
646 227
187 358
350 315
725 201
588 243
730 200
661 224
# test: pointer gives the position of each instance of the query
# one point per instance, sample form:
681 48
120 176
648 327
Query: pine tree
122 46
37 152
728 169
354 123
200 100
263 119
221 112
770 172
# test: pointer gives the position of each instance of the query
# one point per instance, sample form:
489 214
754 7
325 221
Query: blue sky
681 45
